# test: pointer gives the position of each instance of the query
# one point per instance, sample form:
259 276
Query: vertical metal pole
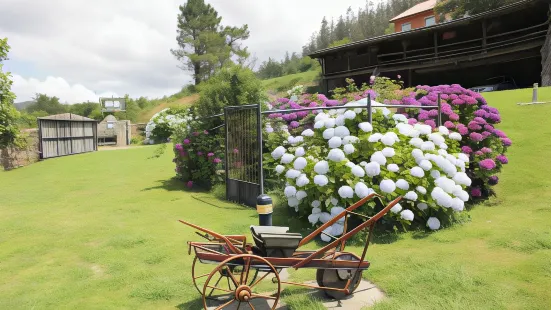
226 121
369 112
259 133
535 93
439 111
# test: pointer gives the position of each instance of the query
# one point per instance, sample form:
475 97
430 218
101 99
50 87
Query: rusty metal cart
242 267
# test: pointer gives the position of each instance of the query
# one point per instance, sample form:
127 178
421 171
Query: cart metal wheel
338 278
200 272
245 292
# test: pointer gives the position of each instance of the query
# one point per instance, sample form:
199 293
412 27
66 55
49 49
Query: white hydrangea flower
393 168
396 208
287 158
417 142
315 204
334 201
321 116
328 133
462 178
321 167
300 151
349 114
433 223
388 139
425 164
346 192
443 130
422 206
324 237
428 146
452 159
339 121
337 229
300 163
269 129
386 112
292 174
374 137
363 163
362 190
423 129
349 149
407 130
443 146
458 205
293 202
279 169
336 155
325 217
302 181
358 171
321 180
441 197
372 169
350 139
387 186
379 158
329 122
463 157
436 138
350 164
308 133
455 136
290 191
400 118
342 131
319 124
407 215
336 211
417 172
278 152
463 195
435 174
446 184
366 127
402 184
313 218
417 154
301 195
421 190
335 142
389 152
442 152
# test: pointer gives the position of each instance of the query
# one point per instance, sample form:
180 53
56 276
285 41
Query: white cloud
123 46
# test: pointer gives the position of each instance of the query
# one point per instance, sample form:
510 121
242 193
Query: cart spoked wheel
263 292
200 272
338 278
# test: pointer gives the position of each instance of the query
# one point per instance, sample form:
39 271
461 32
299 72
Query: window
116 104
406 27
110 125
429 21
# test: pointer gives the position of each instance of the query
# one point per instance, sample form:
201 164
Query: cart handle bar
349 234
216 235
353 207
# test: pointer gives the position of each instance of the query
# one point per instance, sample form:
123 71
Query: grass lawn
100 231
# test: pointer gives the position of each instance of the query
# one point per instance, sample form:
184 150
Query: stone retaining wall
13 157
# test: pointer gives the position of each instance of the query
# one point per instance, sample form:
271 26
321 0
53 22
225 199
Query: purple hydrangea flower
486 150
322 97
480 120
493 180
499 133
474 126
454 117
200 153
179 147
466 149
476 192
449 125
189 184
487 164
283 100
506 141
431 123
412 121
433 113
186 141
478 153
502 159
476 137
480 113
313 104
458 102
294 124
463 130
217 160
210 154
486 134
489 128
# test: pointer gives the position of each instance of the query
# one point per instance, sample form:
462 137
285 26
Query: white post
535 93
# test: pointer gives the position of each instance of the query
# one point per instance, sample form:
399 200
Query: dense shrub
163 124
345 158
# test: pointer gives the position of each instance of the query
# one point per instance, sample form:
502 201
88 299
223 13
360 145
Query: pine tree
324 35
340 30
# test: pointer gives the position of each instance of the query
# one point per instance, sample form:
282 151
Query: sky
81 50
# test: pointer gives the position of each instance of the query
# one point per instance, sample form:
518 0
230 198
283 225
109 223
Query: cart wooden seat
275 241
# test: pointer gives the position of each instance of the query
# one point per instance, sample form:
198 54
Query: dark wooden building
510 41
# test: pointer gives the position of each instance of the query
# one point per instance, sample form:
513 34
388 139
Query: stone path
367 294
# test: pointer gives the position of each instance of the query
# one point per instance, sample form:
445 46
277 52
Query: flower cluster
344 158
161 125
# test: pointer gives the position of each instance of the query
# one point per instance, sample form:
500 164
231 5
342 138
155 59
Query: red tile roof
419 8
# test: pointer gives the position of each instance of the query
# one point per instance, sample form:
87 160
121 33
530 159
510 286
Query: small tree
9 132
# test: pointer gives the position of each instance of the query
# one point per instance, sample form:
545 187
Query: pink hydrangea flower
179 147
476 192
463 130
486 150
493 180
294 124
449 125
487 164
475 136
502 159
466 149
235 151
431 123
189 184
506 141
210 154
454 117
206 132
412 121
217 160
186 141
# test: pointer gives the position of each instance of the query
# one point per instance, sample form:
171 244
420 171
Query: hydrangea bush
343 158
163 124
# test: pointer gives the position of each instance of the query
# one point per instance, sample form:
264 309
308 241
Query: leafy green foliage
204 45
460 8
8 114
289 65
50 105
233 85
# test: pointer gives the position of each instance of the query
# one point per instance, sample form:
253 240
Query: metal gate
244 177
